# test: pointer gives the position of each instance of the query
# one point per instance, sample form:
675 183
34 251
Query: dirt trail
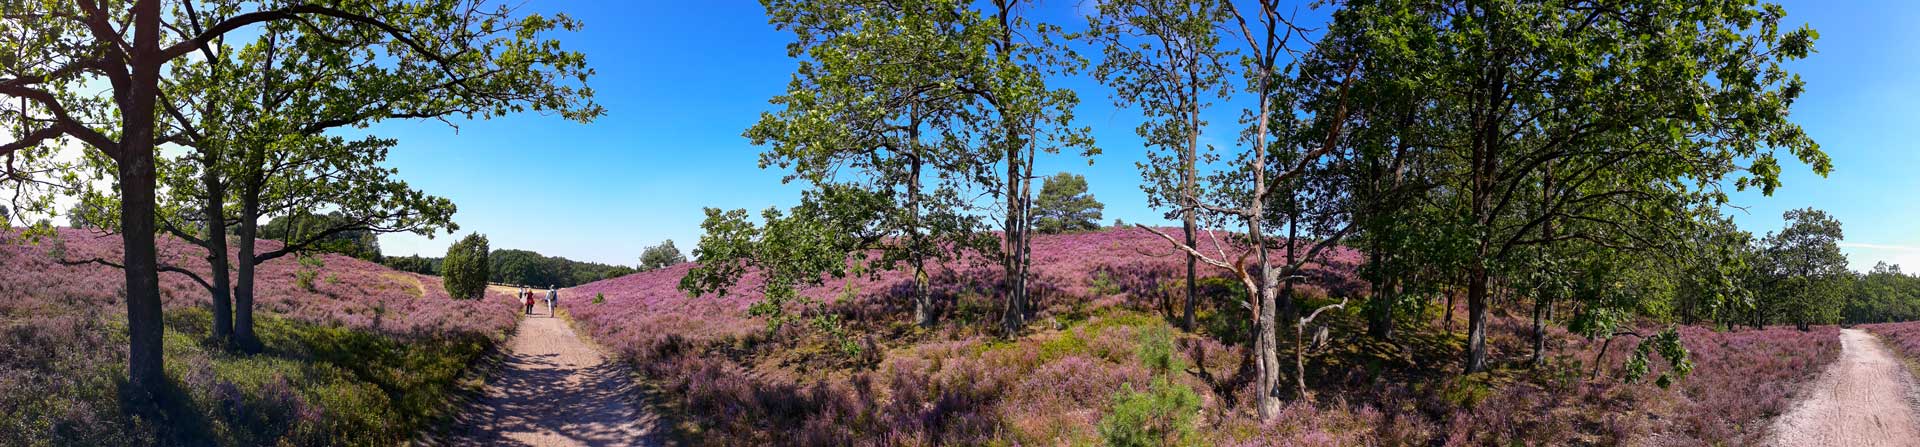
553 389
1865 398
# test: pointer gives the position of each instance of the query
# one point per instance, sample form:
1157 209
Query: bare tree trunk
1477 319
1018 224
1187 174
1267 348
1026 233
1545 296
216 244
1380 307
1015 250
248 232
146 366
1539 330
923 312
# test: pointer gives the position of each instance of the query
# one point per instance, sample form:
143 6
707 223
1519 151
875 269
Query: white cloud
1883 247
1863 255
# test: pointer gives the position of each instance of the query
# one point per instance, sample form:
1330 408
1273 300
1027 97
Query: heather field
918 223
1903 338
365 355
1103 349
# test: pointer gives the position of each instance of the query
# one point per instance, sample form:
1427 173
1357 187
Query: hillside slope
359 354
1103 358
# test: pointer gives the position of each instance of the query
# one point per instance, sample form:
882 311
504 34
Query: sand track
1865 398
554 389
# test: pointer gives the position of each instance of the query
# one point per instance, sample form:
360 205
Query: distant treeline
521 267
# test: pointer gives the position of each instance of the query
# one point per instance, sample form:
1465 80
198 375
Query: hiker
553 299
527 295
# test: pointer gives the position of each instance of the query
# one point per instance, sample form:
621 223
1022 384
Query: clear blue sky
681 80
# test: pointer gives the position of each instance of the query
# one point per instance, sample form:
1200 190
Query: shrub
1162 415
1156 350
309 268
599 298
465 268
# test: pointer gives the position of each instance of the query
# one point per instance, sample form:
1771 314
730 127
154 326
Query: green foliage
413 263
789 251
1227 320
599 298
464 270
535 270
1715 279
1466 390
1806 276
1102 284
1157 351
341 235
1161 415
910 103
1064 205
1548 128
311 385
1165 57
1667 345
660 256
85 215
1884 294
309 268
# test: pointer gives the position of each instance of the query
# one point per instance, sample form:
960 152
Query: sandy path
554 389
1863 399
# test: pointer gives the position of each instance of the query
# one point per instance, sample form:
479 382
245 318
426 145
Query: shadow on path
553 389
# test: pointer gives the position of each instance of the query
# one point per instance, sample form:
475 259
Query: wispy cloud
1873 246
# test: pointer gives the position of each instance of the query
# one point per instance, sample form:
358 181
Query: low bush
313 385
1160 415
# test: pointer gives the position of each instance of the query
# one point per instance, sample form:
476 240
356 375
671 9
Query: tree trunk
1015 235
243 336
1290 310
1267 347
1539 329
1544 297
1381 326
1477 319
1018 224
217 256
1380 307
1187 173
923 312
146 366
1300 360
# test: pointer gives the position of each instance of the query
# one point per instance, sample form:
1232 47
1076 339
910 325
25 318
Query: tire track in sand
554 389
1865 398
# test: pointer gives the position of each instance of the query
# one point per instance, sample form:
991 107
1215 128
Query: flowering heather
346 291
1904 338
63 350
1099 294
1127 266
952 386
1741 380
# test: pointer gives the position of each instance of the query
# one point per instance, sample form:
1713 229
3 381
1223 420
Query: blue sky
681 80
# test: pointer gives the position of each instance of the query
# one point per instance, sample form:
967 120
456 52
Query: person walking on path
527 296
553 298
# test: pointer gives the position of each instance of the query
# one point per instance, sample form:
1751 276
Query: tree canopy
1064 205
465 268
535 270
660 256
358 243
